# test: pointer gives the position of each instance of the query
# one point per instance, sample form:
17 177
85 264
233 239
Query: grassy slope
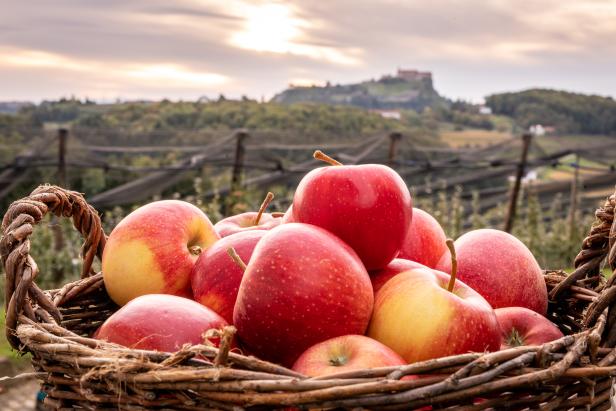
473 137
5 348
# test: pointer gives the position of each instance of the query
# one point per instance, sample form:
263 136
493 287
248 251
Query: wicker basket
78 372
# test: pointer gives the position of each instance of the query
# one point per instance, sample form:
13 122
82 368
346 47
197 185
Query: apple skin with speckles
367 206
397 266
425 241
500 268
303 285
216 277
345 353
416 316
153 249
246 222
521 326
288 216
159 322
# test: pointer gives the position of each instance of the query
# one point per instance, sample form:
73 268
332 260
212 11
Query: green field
5 348
473 137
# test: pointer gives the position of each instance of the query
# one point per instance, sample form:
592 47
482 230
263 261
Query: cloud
188 48
172 74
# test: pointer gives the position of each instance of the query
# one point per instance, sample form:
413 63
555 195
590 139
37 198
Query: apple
398 265
288 216
367 206
303 285
425 241
521 326
345 353
159 322
249 221
153 249
216 278
246 222
500 268
417 316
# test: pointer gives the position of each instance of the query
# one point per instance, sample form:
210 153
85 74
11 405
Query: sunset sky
184 49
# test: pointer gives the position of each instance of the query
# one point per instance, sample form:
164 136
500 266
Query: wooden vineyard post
573 202
62 135
238 162
394 138
58 236
238 171
515 191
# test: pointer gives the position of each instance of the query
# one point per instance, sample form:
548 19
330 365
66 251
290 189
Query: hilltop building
390 114
485 110
414 75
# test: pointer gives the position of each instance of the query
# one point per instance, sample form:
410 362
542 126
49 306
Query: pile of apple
351 276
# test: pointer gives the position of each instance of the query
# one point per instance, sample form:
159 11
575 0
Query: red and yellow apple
425 241
367 206
159 322
500 268
397 266
216 278
419 318
521 326
153 249
345 353
303 285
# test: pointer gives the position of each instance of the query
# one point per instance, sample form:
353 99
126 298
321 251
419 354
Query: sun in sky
275 28
270 27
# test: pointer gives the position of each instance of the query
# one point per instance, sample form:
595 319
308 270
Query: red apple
159 322
345 353
398 265
302 286
521 326
246 222
288 216
416 316
500 268
215 278
425 241
153 249
367 206
249 221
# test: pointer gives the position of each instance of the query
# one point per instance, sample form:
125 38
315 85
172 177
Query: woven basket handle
22 295
598 244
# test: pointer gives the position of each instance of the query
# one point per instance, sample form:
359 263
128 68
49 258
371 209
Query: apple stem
454 264
266 201
236 258
195 250
338 361
514 339
319 155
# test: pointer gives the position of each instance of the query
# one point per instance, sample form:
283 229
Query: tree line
569 113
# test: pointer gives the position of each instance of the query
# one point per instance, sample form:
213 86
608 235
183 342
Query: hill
568 113
165 122
409 89
13 107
